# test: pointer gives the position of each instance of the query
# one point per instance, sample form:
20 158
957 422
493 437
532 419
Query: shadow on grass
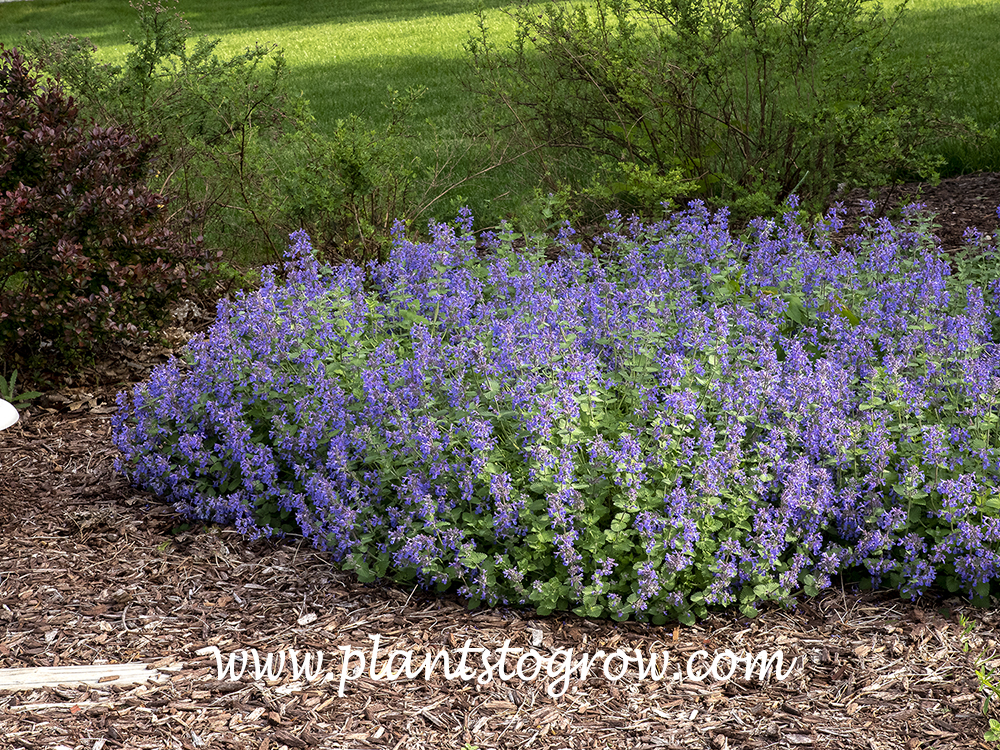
336 90
959 40
234 15
105 22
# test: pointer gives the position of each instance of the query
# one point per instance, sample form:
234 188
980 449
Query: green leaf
473 559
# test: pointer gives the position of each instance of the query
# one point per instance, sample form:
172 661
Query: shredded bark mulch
956 202
93 570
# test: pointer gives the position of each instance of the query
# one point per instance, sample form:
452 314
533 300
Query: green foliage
211 116
344 57
987 677
744 102
959 37
347 189
89 255
8 392
993 733
241 151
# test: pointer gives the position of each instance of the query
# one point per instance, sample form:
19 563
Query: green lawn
343 55
963 38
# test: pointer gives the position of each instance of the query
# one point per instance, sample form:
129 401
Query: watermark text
473 663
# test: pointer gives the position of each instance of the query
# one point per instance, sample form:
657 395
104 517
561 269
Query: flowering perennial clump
671 420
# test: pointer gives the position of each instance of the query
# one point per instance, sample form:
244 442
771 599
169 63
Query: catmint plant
675 420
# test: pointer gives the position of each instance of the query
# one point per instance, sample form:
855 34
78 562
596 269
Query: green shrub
88 253
348 189
211 116
743 101
240 148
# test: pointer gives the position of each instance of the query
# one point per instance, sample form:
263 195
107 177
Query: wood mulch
93 570
956 202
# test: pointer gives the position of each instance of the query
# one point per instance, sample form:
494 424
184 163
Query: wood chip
98 579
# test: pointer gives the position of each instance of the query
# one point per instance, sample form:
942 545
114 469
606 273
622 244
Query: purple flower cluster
677 419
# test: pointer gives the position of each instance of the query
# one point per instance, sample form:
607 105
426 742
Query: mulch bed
93 570
957 203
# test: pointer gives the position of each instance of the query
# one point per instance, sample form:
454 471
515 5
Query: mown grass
960 38
344 56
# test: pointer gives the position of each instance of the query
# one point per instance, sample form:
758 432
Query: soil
93 570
